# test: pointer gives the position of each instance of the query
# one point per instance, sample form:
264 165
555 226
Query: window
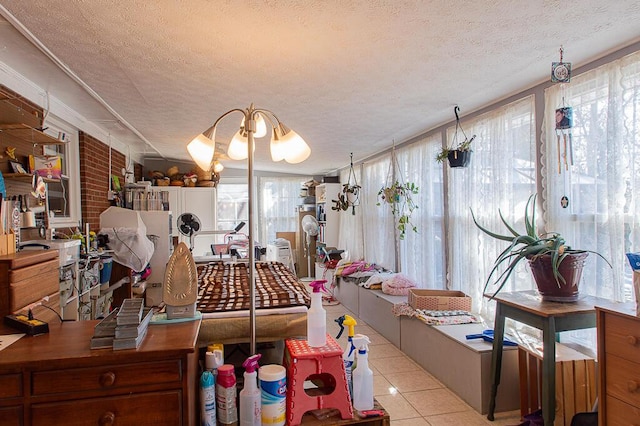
279 201
64 196
232 206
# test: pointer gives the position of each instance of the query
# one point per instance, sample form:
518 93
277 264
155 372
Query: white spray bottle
348 356
317 317
362 376
250 395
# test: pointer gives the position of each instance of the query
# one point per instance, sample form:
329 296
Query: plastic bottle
250 396
226 395
362 376
207 399
273 385
348 356
317 317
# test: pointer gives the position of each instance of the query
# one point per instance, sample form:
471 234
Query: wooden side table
551 317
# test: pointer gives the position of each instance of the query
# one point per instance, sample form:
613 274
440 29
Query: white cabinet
328 219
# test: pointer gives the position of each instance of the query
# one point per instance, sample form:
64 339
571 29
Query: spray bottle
317 317
250 396
348 356
362 376
226 399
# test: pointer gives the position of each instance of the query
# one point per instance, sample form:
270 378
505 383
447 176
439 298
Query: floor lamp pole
252 260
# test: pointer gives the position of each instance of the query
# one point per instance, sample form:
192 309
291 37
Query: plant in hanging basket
349 197
398 195
555 266
458 155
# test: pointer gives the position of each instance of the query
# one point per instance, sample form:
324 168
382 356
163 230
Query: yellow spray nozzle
350 322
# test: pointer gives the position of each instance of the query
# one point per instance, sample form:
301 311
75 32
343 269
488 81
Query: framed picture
17 167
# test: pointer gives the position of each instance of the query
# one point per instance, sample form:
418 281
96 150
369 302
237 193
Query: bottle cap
317 285
251 364
226 370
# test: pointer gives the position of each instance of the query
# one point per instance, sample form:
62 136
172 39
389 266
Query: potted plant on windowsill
556 267
398 196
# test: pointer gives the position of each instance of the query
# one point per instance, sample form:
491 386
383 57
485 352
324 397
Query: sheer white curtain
501 175
422 253
379 230
350 237
603 184
278 205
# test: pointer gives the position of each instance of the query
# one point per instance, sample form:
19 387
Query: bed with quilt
281 301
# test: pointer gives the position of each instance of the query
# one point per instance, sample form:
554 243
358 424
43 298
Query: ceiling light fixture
285 143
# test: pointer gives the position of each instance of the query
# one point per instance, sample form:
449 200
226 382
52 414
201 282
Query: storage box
439 300
68 250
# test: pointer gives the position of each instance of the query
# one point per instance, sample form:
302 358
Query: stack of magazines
132 321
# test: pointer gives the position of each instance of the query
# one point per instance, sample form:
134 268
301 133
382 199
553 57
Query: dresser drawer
11 416
623 379
155 408
106 377
622 337
620 414
10 385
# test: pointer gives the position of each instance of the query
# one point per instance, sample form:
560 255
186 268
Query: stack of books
132 321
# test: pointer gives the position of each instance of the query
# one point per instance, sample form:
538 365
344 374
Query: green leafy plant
349 197
527 246
465 145
399 197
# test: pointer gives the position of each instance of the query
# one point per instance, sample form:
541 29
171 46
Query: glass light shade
294 148
238 147
276 147
201 150
261 126
217 166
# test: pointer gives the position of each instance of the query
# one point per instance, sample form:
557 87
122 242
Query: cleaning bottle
207 399
317 317
226 395
250 396
349 353
362 376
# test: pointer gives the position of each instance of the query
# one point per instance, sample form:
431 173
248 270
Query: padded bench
464 366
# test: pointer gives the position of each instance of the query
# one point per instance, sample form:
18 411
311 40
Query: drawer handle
107 379
107 419
632 386
632 340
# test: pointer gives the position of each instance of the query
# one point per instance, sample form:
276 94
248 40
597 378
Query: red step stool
320 365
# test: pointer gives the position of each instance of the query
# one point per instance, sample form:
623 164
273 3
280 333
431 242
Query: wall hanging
398 195
460 153
350 195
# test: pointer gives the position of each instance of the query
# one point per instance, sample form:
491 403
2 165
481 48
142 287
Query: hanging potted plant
350 194
556 267
459 155
398 195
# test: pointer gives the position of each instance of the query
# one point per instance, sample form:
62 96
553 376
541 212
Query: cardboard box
439 300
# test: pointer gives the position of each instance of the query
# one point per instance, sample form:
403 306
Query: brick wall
94 176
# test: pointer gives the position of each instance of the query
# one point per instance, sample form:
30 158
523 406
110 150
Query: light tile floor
411 395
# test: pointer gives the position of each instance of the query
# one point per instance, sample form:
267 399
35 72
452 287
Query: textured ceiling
349 76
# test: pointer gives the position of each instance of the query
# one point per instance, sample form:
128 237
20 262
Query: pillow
378 278
398 285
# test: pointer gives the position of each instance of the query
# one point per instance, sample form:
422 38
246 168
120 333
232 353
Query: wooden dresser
619 365
56 379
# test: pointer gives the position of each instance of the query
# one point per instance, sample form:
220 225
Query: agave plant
528 246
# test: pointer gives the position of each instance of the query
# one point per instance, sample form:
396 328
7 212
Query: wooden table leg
549 371
496 358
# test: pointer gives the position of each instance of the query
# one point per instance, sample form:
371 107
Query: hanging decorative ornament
561 71
564 123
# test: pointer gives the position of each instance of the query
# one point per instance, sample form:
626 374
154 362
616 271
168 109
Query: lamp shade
201 150
261 126
276 147
294 148
217 167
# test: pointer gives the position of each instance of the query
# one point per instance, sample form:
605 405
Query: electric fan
310 227
189 225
